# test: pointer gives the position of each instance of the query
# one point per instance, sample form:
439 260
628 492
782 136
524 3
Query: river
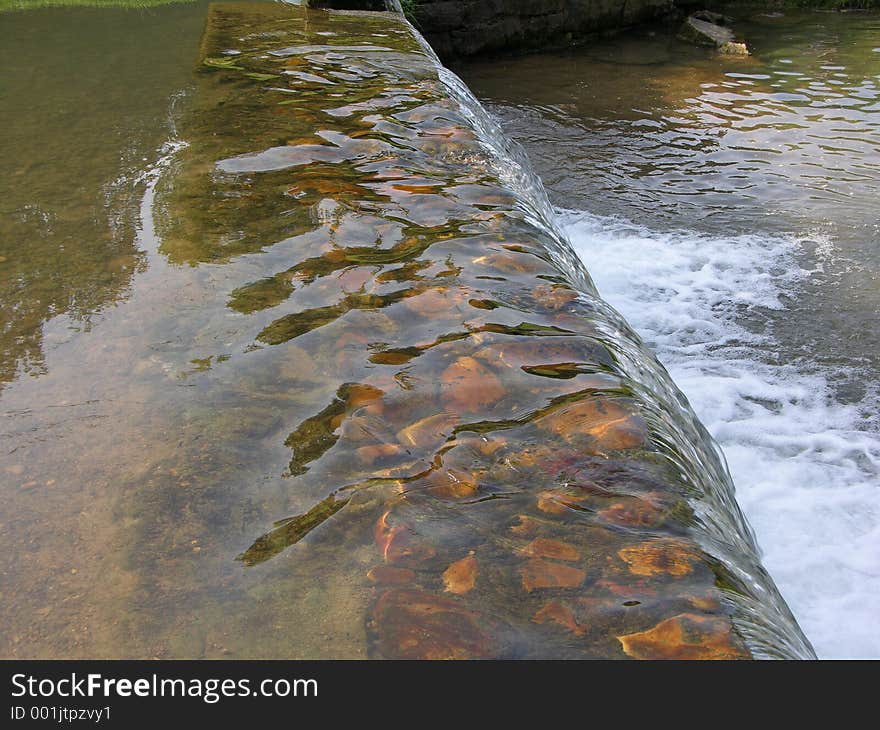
726 206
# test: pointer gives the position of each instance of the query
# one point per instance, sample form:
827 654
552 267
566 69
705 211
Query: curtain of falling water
455 313
728 530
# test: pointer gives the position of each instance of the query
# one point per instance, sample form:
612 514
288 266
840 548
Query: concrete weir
484 460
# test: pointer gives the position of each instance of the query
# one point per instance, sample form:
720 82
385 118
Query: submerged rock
706 29
483 459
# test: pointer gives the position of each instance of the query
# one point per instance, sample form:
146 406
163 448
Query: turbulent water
742 196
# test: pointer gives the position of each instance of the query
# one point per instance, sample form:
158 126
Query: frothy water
806 466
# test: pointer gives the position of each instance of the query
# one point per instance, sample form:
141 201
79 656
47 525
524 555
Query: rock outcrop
457 28
710 29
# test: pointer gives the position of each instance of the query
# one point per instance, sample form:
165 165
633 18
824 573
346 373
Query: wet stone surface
480 431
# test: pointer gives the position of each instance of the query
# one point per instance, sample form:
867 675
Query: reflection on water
85 99
673 132
743 194
75 135
352 406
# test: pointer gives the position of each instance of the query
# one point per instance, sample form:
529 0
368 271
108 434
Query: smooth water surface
729 208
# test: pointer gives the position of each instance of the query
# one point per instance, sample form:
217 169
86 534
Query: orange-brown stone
398 543
461 576
469 386
428 431
430 302
657 557
374 452
543 547
451 483
706 602
607 422
389 575
537 573
561 614
511 263
632 513
412 624
359 395
686 636
525 526
557 502
554 296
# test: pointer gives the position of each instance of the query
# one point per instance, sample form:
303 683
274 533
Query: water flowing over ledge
484 460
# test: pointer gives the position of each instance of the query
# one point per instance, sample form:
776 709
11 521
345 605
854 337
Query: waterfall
472 407
730 532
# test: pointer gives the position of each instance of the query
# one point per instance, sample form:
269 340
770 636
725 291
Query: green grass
28 4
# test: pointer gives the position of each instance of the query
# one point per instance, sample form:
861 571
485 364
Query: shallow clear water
742 193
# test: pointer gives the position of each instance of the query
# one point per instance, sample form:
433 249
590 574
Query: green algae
290 531
9 5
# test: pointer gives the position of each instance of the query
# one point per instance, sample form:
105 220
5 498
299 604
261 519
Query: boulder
701 32
712 17
462 28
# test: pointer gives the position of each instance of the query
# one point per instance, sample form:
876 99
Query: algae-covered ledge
484 461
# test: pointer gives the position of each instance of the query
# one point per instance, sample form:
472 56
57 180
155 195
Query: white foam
807 468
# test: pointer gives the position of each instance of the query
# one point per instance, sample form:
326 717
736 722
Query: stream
242 338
